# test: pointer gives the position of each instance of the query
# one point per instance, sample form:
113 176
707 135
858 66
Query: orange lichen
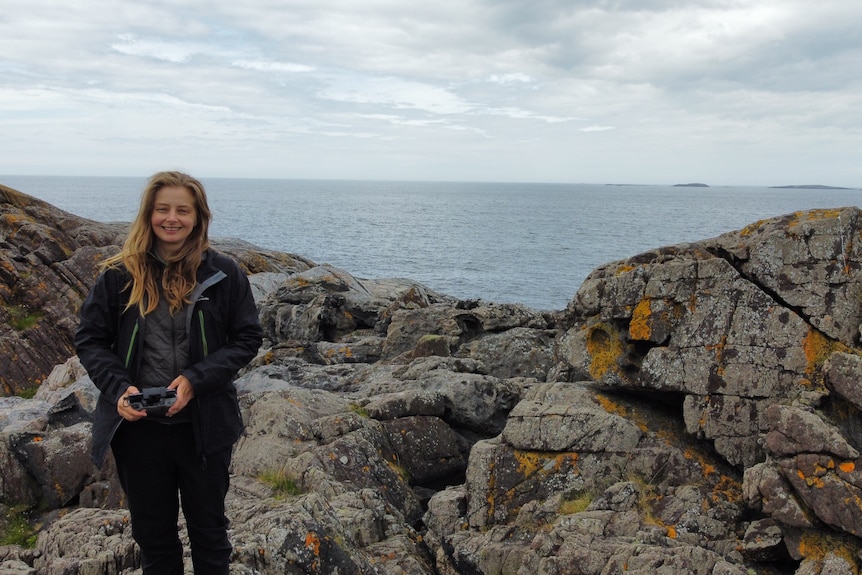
605 348
532 462
492 484
624 269
810 215
815 546
847 467
727 489
810 481
610 406
751 228
817 348
671 532
718 349
639 327
312 541
812 547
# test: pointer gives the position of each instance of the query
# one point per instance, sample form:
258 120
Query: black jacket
224 335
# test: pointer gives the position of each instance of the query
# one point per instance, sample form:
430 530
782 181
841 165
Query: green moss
21 318
359 410
29 393
18 530
281 484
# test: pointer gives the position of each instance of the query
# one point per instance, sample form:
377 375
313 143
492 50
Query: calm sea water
504 242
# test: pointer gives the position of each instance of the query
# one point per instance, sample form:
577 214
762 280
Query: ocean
503 242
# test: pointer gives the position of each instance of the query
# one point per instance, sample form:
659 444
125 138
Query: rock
764 541
793 430
427 448
755 334
843 373
48 261
88 541
554 427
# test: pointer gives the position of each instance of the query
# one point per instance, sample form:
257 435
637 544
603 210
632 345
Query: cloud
511 78
395 93
475 85
169 51
597 128
263 66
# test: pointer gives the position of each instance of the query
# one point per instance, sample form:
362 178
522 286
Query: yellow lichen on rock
817 348
811 215
639 326
611 406
532 462
816 546
605 348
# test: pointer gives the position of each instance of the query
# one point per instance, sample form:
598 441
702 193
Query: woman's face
173 219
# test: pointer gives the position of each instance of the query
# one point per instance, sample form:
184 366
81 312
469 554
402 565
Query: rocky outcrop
754 336
694 410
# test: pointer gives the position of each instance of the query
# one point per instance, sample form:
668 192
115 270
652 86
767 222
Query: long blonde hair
180 270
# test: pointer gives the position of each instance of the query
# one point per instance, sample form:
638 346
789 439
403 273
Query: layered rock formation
694 410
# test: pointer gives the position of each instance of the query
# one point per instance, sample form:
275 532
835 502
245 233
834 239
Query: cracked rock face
756 334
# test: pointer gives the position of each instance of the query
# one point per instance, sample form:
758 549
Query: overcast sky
726 92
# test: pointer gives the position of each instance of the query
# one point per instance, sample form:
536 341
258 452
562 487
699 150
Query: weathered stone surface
48 260
756 335
88 541
555 427
843 374
426 448
793 430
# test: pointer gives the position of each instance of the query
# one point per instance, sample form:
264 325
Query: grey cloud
705 77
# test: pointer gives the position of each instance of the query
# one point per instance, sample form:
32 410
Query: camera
153 400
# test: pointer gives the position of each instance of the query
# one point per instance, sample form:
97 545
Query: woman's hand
125 410
185 393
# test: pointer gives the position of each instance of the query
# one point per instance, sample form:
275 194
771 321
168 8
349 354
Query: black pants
155 463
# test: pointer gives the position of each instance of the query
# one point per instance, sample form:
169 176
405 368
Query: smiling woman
168 313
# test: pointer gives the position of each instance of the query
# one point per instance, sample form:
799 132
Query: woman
167 311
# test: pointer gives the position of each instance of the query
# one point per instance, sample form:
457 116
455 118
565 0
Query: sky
724 92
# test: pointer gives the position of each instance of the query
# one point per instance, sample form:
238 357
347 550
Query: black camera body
153 400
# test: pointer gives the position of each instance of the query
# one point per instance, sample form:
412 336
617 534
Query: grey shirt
165 352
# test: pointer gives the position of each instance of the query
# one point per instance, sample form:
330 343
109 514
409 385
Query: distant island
810 187
691 185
